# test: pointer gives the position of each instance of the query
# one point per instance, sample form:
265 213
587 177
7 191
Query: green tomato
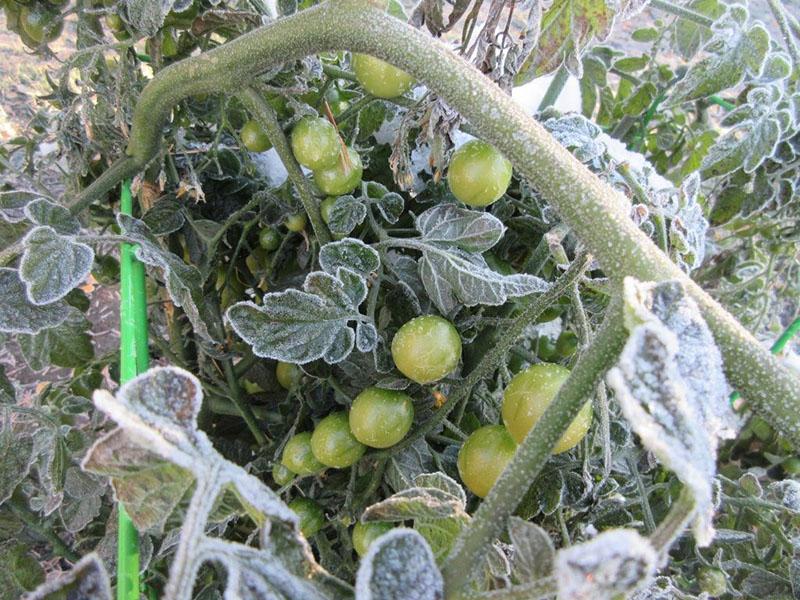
295 222
380 78
311 516
40 24
333 443
288 375
366 533
325 208
315 143
791 466
115 23
340 179
281 474
254 137
484 455
426 349
478 174
298 457
381 418
269 239
529 394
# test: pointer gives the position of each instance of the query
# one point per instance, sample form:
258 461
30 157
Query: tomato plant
381 418
387 278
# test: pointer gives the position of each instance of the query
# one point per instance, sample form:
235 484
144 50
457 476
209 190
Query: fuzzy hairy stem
266 117
490 518
596 212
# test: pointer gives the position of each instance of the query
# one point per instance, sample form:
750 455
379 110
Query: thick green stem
490 518
596 212
124 168
267 118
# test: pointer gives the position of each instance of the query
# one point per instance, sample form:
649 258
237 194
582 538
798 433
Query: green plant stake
133 361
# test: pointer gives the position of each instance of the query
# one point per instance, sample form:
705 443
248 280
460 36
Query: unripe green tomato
712 581
340 179
115 23
295 222
298 457
269 239
484 455
426 348
254 137
311 516
315 143
325 208
366 533
546 349
478 174
380 418
528 395
40 24
334 444
380 78
281 474
288 375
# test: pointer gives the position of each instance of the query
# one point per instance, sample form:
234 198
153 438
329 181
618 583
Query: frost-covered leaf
391 207
149 486
579 135
454 278
450 225
16 456
415 503
366 337
65 345
52 265
300 326
442 482
166 216
407 464
12 205
615 562
347 213
87 580
183 281
44 212
735 50
754 138
688 226
533 550
399 566
147 16
671 388
349 253
82 499
20 570
787 492
18 314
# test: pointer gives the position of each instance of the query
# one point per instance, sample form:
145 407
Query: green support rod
133 360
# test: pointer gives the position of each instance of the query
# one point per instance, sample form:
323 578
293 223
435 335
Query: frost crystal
615 562
670 386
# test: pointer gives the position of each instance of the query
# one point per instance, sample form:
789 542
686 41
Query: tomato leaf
399 566
87 580
533 550
52 265
44 212
300 326
18 314
391 206
16 456
350 253
346 214
182 280
616 562
671 388
65 345
450 225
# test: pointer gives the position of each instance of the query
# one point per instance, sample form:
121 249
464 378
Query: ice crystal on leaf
615 562
670 386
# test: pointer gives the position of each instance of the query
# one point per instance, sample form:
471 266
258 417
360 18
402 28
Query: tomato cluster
35 21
